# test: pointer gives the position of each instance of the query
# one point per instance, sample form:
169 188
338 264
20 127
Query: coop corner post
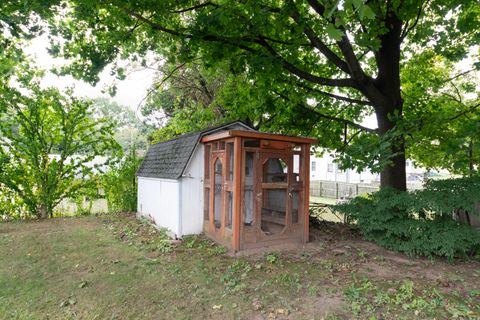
237 175
306 190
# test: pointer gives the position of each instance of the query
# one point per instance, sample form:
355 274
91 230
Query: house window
314 166
330 167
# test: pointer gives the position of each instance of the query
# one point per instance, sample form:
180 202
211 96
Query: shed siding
158 199
192 193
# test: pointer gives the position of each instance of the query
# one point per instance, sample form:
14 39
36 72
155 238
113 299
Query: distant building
324 168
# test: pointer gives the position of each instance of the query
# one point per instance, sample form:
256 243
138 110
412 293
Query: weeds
402 297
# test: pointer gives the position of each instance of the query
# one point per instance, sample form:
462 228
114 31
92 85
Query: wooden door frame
214 231
264 156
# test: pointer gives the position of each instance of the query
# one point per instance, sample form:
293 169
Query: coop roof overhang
257 135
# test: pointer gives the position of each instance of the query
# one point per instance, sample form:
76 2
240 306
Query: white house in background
324 168
170 182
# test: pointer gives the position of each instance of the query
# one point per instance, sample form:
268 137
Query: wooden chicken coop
256 188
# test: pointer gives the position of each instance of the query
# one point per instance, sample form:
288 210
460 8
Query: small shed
242 188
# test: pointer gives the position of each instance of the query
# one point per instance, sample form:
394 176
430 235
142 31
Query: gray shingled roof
168 159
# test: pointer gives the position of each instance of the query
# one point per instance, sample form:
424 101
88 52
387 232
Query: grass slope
117 267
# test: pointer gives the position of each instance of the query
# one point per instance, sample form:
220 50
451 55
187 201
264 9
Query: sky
130 91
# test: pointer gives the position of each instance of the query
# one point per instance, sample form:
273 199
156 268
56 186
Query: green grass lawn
323 200
117 267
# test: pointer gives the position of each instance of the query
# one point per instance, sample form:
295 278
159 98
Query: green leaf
333 32
365 12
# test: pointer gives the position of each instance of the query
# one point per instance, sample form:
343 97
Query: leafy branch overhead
308 67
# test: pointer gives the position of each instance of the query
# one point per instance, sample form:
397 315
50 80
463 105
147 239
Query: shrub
120 184
11 206
419 223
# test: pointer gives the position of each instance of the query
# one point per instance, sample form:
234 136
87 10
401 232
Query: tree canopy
311 67
51 148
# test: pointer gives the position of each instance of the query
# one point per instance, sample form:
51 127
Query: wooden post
306 206
237 184
212 193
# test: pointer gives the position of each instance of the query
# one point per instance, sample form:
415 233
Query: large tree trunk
388 102
43 211
393 175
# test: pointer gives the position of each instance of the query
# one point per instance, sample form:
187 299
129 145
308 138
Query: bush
120 184
419 223
11 206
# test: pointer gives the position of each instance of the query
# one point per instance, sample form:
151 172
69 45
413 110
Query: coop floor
117 267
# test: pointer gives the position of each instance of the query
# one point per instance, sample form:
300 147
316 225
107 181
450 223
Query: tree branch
153 24
408 28
351 62
334 96
305 75
317 6
319 44
198 6
464 112
341 120
350 57
329 117
262 42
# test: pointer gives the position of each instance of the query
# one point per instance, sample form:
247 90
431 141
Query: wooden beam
275 185
306 191
237 191
257 135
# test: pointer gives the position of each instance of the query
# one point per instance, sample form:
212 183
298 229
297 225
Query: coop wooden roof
257 135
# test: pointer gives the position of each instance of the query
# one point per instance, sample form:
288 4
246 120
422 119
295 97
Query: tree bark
389 106
393 175
42 211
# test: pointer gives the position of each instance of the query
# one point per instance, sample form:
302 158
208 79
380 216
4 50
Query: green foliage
442 115
419 223
11 206
51 147
235 274
271 258
129 130
296 67
185 99
120 184
369 299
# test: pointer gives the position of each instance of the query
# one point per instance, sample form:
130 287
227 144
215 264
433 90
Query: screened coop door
278 201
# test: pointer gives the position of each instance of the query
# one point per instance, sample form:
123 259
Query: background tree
130 131
183 98
442 114
120 184
294 53
50 147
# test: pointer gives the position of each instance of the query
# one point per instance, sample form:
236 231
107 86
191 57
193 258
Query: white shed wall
158 199
192 193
